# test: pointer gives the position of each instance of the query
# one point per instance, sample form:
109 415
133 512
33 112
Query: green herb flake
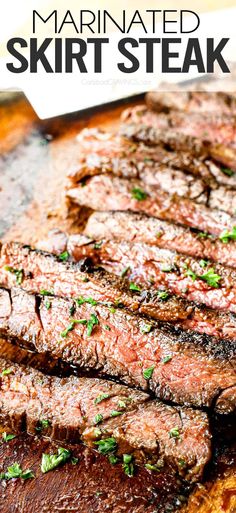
43 424
182 463
98 418
71 326
48 304
81 300
167 268
147 373
112 309
211 278
93 321
128 465
163 295
203 263
191 274
134 287
146 328
204 235
227 171
174 433
167 359
113 459
19 273
121 404
107 445
15 471
74 460
64 256
101 398
226 235
116 413
98 245
72 310
6 437
106 327
138 194
5 372
153 468
51 461
44 292
125 271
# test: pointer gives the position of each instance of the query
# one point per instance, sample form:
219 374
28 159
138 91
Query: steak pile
143 301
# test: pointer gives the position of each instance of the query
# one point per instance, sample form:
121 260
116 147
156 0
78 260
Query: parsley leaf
19 273
125 271
167 359
147 373
227 171
64 256
93 321
174 433
146 328
226 235
81 300
152 467
98 418
211 278
43 424
6 437
51 461
44 292
101 398
5 372
134 287
163 295
138 194
128 466
116 413
71 326
15 471
106 445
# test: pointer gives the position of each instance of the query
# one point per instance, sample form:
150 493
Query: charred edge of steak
92 410
116 343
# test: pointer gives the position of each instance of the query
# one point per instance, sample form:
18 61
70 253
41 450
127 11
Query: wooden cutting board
34 158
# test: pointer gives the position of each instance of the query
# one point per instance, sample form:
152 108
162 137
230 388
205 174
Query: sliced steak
74 409
105 192
213 127
213 162
195 280
131 227
41 271
191 101
185 368
125 259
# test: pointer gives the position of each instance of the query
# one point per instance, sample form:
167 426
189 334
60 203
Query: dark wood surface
34 158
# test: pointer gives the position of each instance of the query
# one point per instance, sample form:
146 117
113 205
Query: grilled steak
89 486
105 192
130 227
42 271
148 165
185 368
191 101
213 162
195 280
159 304
213 127
73 409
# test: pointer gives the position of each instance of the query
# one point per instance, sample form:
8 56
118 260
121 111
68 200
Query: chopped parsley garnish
71 326
44 292
112 309
19 273
146 328
106 445
134 287
125 271
48 304
106 327
101 398
167 359
51 461
72 310
5 372
64 256
113 459
138 194
203 263
43 424
226 235
98 245
227 171
6 437
81 300
174 433
121 404
182 463
204 235
93 321
74 460
191 274
147 373
163 295
15 471
211 278
128 466
152 467
167 268
98 418
116 413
